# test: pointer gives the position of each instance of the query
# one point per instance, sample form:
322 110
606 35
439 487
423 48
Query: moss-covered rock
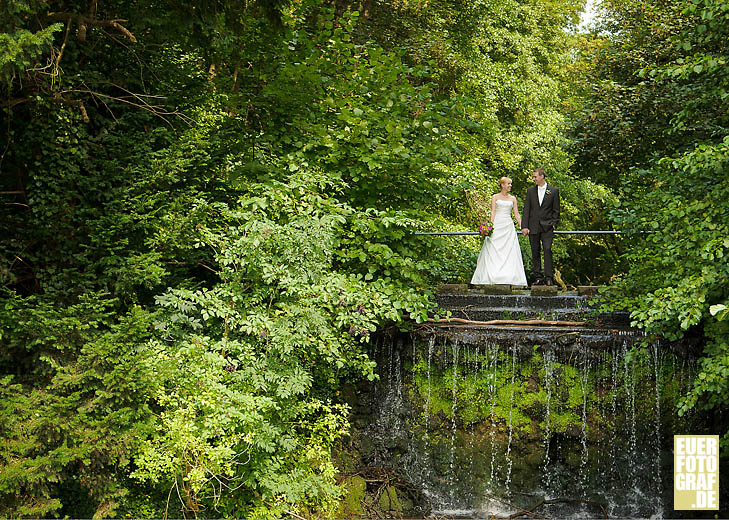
389 501
408 506
347 459
355 489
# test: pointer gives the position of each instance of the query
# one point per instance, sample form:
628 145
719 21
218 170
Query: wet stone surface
525 306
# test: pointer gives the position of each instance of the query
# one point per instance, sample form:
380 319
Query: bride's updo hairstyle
503 180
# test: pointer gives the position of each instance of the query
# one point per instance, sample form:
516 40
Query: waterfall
657 364
629 382
426 411
489 422
548 368
493 358
613 422
509 462
584 375
452 475
471 382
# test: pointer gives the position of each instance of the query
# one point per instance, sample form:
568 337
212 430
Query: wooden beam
531 323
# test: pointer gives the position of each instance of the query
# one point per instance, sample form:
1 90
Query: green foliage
624 122
679 274
376 131
252 357
208 209
77 405
675 188
271 252
21 48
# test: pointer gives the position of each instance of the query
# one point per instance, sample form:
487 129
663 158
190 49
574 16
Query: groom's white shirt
541 190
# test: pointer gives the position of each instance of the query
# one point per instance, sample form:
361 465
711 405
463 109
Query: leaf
719 310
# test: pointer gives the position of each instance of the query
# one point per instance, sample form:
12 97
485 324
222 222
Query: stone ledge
481 314
490 289
519 299
588 290
453 288
544 290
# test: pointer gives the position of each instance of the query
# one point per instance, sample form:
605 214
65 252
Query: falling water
389 367
629 383
615 367
657 363
509 461
493 356
584 378
473 369
431 343
548 368
599 405
449 457
376 354
453 476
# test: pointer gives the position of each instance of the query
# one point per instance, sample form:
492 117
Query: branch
63 45
158 110
538 323
82 21
14 102
116 25
269 504
177 262
527 512
80 105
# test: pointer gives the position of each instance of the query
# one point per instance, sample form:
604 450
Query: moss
354 491
564 422
389 501
482 388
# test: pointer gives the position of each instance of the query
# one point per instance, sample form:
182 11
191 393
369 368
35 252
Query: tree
678 276
147 173
211 210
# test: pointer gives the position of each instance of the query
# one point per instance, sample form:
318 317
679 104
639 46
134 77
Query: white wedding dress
500 259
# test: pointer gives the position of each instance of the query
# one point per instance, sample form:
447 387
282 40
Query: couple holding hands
500 259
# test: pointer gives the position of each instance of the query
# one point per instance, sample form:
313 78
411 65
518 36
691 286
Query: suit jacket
541 218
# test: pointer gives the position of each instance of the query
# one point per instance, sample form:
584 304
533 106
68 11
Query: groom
540 219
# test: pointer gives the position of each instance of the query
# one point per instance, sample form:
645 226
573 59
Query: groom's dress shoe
538 281
549 282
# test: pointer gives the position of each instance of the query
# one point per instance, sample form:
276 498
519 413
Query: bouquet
486 228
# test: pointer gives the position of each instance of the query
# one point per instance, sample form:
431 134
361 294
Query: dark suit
541 220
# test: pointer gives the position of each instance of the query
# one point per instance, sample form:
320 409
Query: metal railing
437 233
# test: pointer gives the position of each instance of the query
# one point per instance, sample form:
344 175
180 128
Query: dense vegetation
207 210
655 126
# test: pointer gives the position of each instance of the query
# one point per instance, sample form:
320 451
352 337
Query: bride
500 259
